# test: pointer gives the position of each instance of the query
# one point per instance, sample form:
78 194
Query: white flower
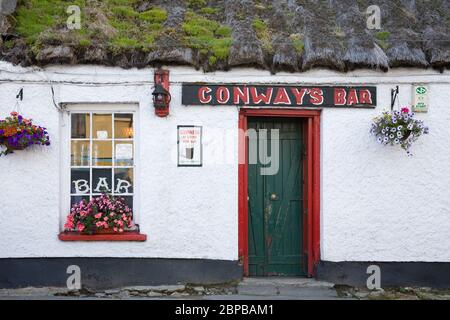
399 128
391 136
396 141
393 129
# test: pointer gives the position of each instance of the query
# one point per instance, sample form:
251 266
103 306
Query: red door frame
311 216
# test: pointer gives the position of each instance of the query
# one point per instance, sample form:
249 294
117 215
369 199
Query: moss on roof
293 35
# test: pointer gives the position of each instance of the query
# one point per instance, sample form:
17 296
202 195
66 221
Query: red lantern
161 94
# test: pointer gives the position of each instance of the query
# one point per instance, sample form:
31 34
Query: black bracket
20 95
394 96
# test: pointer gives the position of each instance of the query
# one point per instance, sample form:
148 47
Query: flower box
101 217
124 236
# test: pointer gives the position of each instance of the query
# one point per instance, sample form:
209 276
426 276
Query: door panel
275 202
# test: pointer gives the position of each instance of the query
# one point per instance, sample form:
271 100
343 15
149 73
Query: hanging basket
17 128
13 148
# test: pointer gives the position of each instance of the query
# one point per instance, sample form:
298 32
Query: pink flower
404 110
80 227
99 224
98 215
120 230
105 218
83 213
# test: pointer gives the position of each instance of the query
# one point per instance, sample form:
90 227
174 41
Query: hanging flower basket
101 215
13 147
18 133
398 128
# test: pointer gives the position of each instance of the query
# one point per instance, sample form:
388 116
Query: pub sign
279 96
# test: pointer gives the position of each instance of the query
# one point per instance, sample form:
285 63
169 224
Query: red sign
279 96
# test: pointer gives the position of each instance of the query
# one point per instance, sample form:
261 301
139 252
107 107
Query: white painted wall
377 204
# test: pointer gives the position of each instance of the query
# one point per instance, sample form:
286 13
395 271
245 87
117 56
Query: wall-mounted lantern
161 94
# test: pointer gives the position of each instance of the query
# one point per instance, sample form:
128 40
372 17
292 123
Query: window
102 155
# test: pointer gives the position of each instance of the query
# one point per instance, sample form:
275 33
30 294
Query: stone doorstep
289 282
301 288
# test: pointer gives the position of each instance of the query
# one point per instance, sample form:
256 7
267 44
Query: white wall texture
377 204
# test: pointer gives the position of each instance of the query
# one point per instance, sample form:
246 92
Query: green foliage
208 11
297 42
135 30
36 16
122 42
85 42
208 36
196 4
263 33
154 15
124 11
382 35
41 22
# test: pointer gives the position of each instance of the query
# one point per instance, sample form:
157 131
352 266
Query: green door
275 201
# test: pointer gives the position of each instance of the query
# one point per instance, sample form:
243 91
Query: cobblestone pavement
248 289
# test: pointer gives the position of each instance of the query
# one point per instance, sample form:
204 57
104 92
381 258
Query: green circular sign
421 90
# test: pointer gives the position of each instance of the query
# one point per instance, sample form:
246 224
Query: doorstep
125 236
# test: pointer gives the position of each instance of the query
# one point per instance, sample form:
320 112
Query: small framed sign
190 151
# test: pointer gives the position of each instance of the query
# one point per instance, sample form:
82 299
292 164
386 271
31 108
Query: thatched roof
294 35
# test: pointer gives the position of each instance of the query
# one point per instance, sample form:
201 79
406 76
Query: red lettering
202 95
240 95
352 97
339 96
316 96
282 97
222 95
365 97
299 95
258 98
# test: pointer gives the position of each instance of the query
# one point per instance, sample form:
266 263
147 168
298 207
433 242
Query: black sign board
279 96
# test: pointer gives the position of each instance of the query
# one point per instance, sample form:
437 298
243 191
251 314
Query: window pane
77 199
101 180
80 153
123 181
123 126
102 153
81 125
102 126
129 202
123 153
80 183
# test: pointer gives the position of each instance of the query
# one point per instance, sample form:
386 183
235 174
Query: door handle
273 197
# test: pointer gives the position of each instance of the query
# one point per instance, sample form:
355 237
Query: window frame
65 152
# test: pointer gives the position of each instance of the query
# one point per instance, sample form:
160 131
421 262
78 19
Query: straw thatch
292 35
